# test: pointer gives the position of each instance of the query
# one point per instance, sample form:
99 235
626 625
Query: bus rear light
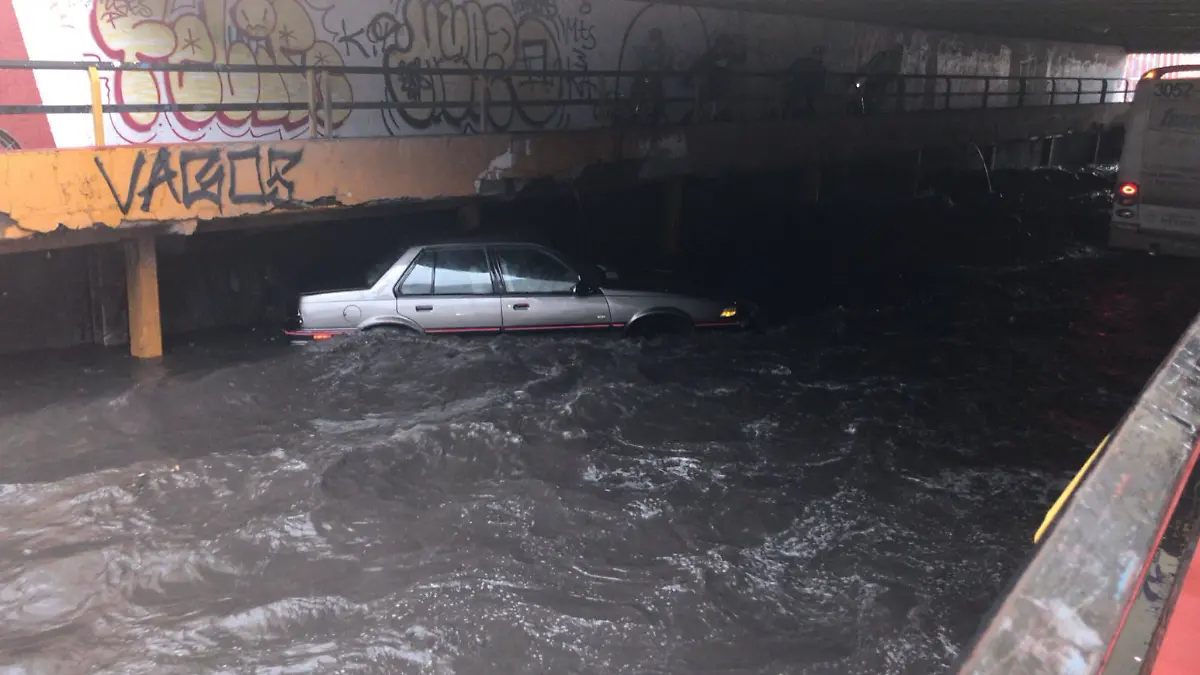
1127 194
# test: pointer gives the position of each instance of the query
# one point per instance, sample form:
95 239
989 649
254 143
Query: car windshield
589 271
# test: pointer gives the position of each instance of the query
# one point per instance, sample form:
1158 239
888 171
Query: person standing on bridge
714 69
648 90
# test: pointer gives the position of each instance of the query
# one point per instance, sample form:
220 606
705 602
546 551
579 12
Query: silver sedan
500 287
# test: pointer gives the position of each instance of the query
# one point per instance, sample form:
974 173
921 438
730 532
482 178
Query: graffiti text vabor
257 176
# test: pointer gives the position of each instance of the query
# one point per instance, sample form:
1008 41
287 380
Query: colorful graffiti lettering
450 34
245 32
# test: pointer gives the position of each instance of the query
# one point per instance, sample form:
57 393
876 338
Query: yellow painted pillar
97 107
141 278
672 235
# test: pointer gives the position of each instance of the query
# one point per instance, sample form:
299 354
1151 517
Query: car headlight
729 312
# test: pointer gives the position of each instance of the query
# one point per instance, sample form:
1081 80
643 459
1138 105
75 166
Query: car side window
529 270
462 271
420 279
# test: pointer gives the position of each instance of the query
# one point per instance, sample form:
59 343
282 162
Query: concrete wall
45 300
115 189
578 35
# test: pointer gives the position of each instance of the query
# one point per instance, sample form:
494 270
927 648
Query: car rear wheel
389 329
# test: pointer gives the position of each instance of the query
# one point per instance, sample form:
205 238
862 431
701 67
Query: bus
1156 207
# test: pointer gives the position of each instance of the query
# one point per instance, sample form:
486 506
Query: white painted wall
579 35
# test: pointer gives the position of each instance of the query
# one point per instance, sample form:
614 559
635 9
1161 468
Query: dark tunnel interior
936 360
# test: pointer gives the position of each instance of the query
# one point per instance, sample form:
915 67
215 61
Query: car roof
567 255
480 240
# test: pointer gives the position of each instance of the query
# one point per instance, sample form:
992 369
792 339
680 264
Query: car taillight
1127 194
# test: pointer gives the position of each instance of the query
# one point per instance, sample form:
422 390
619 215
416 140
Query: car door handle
424 308
521 306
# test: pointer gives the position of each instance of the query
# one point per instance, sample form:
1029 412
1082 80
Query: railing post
485 98
1022 86
949 92
97 106
327 100
310 76
902 93
1104 90
987 89
1053 92
1078 91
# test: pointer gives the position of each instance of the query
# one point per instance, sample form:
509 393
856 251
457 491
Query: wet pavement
847 492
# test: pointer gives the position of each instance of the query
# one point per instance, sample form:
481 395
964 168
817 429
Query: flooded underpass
846 491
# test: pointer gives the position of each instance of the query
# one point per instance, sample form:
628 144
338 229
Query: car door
450 290
541 292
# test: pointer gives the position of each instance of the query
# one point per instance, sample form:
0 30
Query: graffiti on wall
559 44
528 35
256 175
234 32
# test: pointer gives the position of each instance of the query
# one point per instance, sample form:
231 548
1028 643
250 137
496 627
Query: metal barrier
633 98
1066 610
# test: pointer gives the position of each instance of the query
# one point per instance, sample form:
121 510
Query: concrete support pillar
106 286
672 234
470 215
918 171
1047 158
1109 145
1096 147
810 185
141 278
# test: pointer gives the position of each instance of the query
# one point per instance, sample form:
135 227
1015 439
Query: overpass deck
80 196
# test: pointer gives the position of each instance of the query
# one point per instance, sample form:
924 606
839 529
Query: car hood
644 293
641 282
654 283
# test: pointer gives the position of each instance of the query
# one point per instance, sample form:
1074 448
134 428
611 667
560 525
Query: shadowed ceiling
1136 25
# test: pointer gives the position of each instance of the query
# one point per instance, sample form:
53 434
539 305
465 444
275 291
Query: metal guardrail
711 95
1066 610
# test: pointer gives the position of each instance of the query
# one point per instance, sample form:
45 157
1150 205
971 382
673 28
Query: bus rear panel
1157 202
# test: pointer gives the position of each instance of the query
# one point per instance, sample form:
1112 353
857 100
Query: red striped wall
17 87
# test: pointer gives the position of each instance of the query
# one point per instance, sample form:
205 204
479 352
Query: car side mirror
583 289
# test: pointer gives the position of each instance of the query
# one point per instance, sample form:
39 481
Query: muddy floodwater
846 492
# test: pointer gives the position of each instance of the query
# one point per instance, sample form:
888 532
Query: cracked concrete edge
562 159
